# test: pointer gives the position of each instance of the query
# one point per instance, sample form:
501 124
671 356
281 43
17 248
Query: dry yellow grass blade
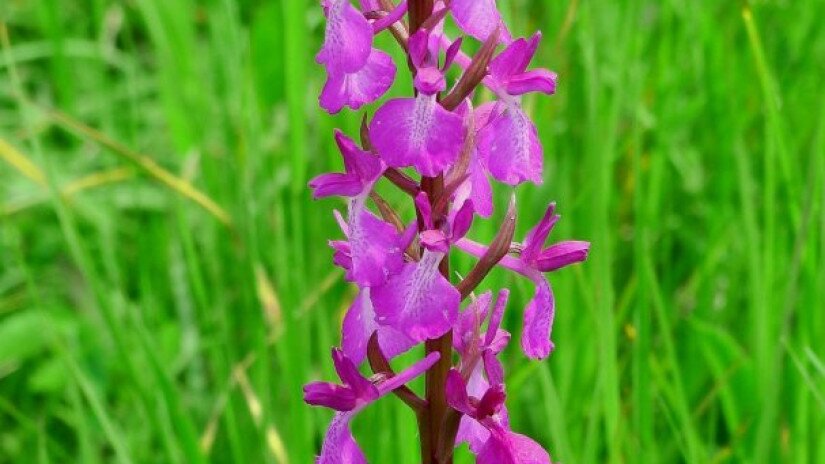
269 300
273 438
146 163
19 161
97 179
312 299
240 379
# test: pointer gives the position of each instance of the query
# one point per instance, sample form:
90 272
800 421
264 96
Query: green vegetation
166 289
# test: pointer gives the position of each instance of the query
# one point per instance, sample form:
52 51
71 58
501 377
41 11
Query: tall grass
166 289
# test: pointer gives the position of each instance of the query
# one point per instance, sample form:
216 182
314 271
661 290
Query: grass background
166 289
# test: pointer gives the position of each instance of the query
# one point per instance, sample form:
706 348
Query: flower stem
419 10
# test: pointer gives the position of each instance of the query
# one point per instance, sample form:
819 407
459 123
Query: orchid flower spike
441 150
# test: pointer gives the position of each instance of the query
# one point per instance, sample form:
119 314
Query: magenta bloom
478 18
419 301
533 262
357 74
348 399
509 69
360 87
502 445
509 145
509 142
418 131
374 249
477 187
477 350
348 38
362 170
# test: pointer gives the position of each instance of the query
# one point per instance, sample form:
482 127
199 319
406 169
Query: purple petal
477 384
451 53
526 450
359 325
505 447
470 430
418 47
422 203
538 321
397 14
417 132
473 433
499 341
361 164
496 315
337 397
537 80
409 373
342 223
462 220
342 257
456 393
465 333
482 192
360 87
363 389
562 254
477 187
362 170
535 238
374 244
429 80
510 145
514 59
418 301
348 39
339 445
435 240
477 18
335 183
492 401
493 368
408 235
486 113
370 5
495 451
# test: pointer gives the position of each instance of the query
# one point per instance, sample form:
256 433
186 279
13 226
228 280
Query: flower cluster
442 151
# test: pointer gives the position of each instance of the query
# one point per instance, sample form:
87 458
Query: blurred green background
166 287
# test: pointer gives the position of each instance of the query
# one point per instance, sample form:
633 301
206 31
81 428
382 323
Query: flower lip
347 39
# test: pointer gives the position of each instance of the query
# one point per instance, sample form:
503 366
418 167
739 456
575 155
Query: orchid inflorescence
405 296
